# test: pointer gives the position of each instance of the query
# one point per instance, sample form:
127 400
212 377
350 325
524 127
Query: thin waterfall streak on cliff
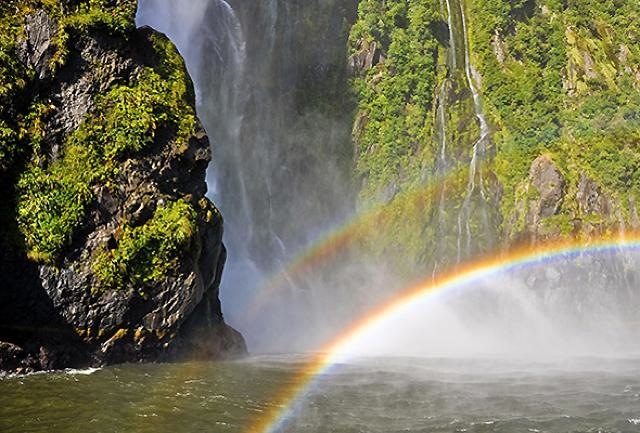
442 127
479 147
442 7
442 164
452 39
477 102
484 127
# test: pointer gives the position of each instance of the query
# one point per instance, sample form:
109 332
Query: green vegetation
147 253
560 78
396 95
48 193
53 199
567 85
115 17
12 79
21 118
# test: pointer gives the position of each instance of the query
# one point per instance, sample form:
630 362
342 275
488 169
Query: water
459 47
281 159
272 93
369 395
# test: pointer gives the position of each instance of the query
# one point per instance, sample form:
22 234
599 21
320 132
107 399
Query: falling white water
277 173
480 144
441 127
479 147
266 175
452 37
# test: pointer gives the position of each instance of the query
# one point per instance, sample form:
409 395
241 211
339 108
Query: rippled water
373 395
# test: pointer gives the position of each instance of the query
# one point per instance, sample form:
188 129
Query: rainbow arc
504 262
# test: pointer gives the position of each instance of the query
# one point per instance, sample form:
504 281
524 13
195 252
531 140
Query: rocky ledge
111 251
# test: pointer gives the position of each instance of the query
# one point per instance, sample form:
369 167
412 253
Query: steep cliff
484 123
111 252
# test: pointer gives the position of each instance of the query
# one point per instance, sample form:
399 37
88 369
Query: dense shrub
147 253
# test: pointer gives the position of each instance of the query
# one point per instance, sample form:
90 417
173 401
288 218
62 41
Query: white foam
82 372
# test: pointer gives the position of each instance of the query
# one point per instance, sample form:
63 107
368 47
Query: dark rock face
11 356
549 182
35 49
54 317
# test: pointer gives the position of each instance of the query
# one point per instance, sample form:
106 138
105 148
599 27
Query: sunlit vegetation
556 78
147 253
52 192
53 199
13 78
396 95
562 78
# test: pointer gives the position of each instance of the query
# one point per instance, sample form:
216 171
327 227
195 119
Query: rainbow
355 229
332 354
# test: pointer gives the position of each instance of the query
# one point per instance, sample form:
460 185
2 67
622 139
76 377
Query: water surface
372 395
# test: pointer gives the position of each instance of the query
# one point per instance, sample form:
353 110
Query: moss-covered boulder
111 252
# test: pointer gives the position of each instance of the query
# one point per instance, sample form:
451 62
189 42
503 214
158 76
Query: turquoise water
371 395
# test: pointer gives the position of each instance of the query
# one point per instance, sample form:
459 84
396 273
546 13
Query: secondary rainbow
357 228
507 261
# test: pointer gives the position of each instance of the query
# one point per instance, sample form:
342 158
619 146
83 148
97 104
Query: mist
281 168
281 176
543 312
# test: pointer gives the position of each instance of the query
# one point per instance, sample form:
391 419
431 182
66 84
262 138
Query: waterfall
461 59
441 135
480 145
452 37
278 171
224 120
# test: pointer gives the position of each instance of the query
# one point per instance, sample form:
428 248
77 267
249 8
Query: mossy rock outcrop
111 252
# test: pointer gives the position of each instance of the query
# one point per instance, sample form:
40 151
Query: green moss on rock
148 253
53 198
115 17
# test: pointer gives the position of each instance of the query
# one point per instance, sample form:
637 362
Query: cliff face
483 123
111 253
